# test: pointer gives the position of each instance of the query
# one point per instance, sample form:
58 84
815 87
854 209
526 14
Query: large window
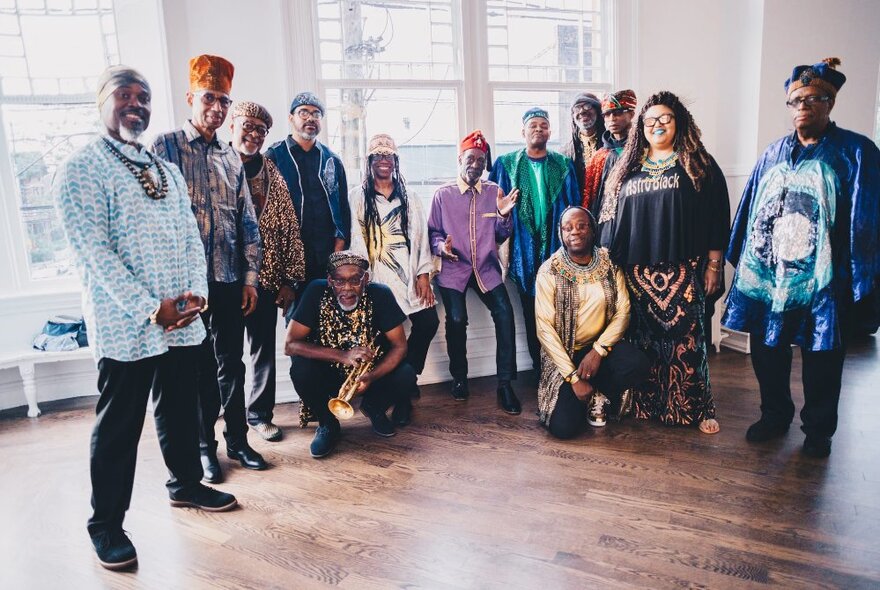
548 41
544 53
428 71
393 67
51 53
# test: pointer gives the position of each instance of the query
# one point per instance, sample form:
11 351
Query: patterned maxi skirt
667 324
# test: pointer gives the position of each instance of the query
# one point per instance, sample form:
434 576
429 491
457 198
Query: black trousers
124 388
624 367
221 370
528 309
317 381
821 374
498 303
423 327
260 328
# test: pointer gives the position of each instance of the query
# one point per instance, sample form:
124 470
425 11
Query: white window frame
474 91
15 264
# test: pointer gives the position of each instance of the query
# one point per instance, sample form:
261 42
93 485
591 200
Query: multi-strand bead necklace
140 172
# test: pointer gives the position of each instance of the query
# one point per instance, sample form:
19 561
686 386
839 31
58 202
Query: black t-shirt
665 219
387 315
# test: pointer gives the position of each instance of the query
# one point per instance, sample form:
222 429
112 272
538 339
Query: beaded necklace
580 274
140 172
655 169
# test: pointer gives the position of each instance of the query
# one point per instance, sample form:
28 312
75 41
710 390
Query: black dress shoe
460 390
764 430
818 447
249 458
402 414
114 550
203 498
381 424
508 400
211 471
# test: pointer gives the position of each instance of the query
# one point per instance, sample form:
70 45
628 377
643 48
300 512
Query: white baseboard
73 379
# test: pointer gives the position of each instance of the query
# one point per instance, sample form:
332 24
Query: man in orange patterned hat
227 223
618 110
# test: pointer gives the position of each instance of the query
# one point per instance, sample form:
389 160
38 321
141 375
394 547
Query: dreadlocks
574 149
691 153
371 213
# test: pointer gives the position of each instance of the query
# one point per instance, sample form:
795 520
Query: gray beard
307 136
250 154
348 308
130 135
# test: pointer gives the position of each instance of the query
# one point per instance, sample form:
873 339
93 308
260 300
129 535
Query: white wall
806 31
250 35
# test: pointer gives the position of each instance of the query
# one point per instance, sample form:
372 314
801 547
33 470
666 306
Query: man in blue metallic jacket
805 245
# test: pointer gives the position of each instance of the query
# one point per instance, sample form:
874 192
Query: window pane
40 138
89 46
510 106
423 123
546 41
389 40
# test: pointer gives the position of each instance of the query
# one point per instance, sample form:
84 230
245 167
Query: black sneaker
381 424
817 447
764 430
401 415
204 498
114 549
326 437
460 391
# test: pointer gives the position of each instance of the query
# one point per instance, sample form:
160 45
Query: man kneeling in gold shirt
582 312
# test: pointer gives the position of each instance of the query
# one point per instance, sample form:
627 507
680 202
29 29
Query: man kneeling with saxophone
346 338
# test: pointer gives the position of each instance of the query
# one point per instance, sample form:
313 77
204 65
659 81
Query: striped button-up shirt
221 202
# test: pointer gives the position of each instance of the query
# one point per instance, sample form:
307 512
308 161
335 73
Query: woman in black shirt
667 222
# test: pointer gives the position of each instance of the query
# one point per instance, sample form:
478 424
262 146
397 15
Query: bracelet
154 317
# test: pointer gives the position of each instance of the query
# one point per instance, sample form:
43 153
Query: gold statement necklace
658 167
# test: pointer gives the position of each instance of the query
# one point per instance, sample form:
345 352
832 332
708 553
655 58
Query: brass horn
340 405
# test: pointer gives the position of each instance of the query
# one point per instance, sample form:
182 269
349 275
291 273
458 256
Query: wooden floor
468 497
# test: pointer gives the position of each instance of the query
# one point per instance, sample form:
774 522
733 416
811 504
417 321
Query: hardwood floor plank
469 497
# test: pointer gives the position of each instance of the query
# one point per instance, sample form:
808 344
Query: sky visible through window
48 108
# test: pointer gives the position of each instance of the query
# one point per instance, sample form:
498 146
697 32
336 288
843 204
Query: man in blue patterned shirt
221 201
127 217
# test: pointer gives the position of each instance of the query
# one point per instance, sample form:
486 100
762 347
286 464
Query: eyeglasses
306 115
209 98
664 119
258 130
615 113
811 100
351 282
382 157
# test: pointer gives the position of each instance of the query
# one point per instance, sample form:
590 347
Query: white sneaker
598 402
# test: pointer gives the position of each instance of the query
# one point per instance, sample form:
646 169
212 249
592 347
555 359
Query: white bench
26 363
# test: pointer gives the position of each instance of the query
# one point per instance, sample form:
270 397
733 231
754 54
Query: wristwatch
572 377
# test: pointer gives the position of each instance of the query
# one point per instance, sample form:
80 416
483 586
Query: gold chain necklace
140 172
